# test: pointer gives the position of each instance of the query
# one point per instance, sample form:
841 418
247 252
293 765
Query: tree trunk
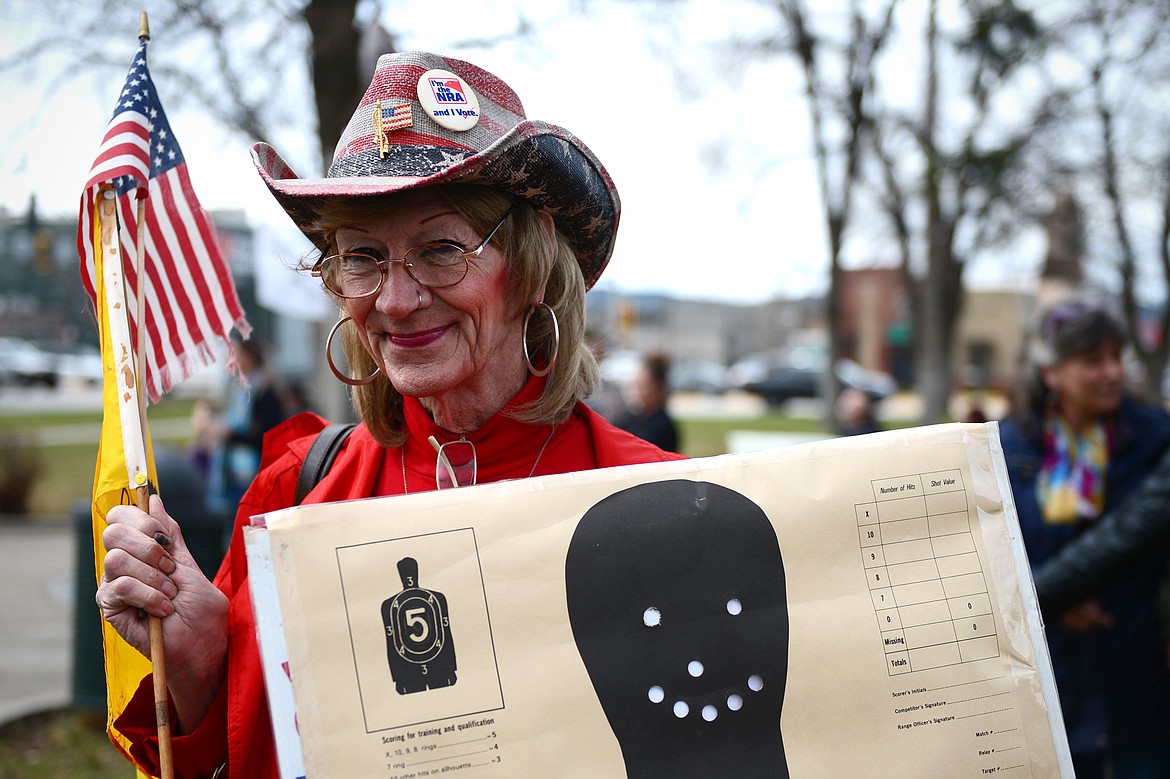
1156 366
337 79
337 88
940 294
931 331
830 385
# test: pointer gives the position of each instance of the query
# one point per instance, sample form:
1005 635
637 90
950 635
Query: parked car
696 375
778 375
686 375
80 365
619 367
23 362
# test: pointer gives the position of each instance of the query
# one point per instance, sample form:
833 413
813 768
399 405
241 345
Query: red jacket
237 728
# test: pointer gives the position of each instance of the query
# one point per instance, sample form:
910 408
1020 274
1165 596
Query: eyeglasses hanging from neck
455 463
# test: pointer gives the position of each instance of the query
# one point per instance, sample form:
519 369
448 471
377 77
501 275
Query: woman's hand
149 570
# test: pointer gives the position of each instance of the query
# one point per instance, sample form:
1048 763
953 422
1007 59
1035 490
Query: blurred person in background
646 415
1128 536
975 414
1076 447
855 413
230 441
295 398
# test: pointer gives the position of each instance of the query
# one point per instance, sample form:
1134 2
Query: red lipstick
419 339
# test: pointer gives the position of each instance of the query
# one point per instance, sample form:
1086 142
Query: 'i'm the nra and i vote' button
448 100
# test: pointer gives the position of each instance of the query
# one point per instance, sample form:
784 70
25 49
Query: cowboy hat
426 120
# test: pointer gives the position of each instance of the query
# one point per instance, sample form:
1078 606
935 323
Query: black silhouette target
677 601
419 645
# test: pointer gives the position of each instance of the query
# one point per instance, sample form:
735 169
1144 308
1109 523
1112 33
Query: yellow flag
125 460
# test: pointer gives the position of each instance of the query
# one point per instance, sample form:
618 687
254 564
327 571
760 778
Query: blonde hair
534 262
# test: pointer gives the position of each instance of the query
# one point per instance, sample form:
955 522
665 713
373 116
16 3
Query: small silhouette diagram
418 635
678 607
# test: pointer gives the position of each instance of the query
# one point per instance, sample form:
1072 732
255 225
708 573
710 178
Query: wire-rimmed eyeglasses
455 464
353 275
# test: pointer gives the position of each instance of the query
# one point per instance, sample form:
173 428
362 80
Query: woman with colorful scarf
1075 447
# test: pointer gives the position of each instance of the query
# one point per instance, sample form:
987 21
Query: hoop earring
546 370
329 359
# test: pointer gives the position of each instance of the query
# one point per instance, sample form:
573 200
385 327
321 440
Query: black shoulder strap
320 457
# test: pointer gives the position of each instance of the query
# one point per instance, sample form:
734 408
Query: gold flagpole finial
143 27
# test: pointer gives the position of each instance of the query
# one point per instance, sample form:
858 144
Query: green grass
64 476
168 408
66 743
707 436
62 473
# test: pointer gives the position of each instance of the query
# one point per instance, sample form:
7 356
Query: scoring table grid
925 578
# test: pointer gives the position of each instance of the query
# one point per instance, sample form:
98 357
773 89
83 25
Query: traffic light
43 253
627 317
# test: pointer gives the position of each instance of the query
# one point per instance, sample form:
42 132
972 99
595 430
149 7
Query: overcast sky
711 162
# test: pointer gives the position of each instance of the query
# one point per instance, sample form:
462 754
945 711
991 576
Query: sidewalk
36 616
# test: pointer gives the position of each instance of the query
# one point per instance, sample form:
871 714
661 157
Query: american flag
191 301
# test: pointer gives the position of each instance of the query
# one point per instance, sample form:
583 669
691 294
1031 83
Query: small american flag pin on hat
388 119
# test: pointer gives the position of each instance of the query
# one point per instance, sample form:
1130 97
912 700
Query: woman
459 239
1075 448
646 415
231 443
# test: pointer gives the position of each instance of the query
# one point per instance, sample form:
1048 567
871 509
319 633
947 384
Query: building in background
42 301
36 256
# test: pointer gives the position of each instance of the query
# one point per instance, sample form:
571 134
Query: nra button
448 100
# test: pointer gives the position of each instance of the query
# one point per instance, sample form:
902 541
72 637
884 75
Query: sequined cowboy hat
428 120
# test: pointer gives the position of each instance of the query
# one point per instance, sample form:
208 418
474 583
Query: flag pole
158 665
140 259
137 474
